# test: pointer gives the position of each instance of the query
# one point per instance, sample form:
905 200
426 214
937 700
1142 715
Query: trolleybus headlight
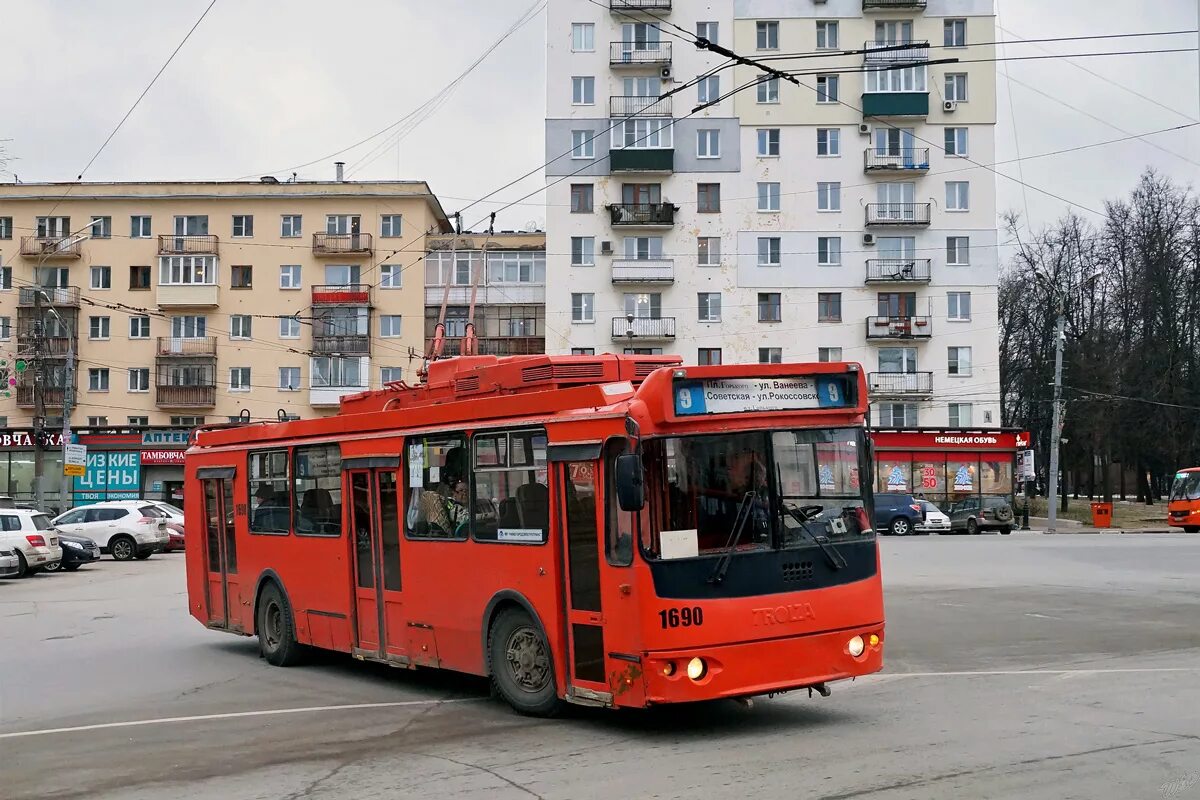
857 646
696 669
668 668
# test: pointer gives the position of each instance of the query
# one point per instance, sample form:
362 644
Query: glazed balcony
642 159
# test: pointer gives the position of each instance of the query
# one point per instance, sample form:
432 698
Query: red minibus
1183 507
616 531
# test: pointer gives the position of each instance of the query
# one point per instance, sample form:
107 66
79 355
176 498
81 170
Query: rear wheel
1191 529
143 555
972 527
53 566
22 566
1005 531
276 629
72 567
123 548
900 527
521 664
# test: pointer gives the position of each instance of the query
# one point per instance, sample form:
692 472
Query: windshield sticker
519 535
416 466
741 395
679 544
826 478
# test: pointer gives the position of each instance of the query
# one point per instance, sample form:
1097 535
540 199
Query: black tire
122 548
521 665
972 527
22 566
144 554
1191 529
1005 531
72 567
900 527
53 566
276 629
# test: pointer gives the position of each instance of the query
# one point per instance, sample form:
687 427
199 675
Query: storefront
946 466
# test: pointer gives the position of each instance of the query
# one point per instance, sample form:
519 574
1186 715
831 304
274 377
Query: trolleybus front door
580 514
220 553
375 520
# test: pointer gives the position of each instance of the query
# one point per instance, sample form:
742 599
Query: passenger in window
271 514
445 509
748 473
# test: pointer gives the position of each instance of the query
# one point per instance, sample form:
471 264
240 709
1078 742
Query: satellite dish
530 226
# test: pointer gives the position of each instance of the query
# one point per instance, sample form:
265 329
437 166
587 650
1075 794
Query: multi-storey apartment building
744 218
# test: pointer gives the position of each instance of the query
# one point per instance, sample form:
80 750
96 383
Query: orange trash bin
1102 515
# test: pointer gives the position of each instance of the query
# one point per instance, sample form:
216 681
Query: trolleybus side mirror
630 482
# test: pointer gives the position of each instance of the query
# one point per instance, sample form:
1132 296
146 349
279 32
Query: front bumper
7 570
1183 519
763 667
934 527
85 556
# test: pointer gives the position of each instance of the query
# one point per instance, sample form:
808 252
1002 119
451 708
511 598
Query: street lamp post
1060 333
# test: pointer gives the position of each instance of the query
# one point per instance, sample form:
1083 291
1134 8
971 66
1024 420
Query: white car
10 565
935 520
32 538
126 529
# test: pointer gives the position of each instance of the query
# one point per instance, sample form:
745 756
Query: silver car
10 565
935 520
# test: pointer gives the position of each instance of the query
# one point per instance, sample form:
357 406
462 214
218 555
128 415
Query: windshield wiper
744 511
835 559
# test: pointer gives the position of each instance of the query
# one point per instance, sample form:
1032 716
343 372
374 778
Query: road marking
995 672
234 715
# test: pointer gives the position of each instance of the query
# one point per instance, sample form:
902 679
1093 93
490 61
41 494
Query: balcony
342 345
899 270
497 294
46 247
619 6
342 295
497 346
900 161
895 104
642 328
899 328
878 53
331 396
187 347
343 244
911 215
642 215
900 384
169 396
639 54
190 245
629 105
60 297
188 295
889 5
639 159
653 270
52 397
52 346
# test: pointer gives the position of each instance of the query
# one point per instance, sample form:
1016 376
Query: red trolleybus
613 531
1183 508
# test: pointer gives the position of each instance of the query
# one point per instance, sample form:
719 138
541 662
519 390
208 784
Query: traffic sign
74 470
75 455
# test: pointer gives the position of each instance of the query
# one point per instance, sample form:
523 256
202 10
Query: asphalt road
1017 667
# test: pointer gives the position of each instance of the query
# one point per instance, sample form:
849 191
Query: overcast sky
266 85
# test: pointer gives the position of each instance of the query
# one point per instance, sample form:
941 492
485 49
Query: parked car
33 538
9 565
174 525
126 529
975 515
898 514
76 551
935 520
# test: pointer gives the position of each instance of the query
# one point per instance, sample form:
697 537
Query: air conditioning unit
868 239
864 129
606 248
949 106
666 73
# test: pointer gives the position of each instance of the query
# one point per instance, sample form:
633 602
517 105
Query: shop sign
166 458
25 439
165 438
110 476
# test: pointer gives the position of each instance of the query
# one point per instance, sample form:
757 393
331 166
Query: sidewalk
1038 525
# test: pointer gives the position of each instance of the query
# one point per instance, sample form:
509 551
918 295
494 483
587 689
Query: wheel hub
527 660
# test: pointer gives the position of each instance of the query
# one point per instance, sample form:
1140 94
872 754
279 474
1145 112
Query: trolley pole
1056 423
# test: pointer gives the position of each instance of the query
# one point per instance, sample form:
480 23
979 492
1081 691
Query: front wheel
1191 528
276 629
521 665
900 527
123 548
972 527
72 567
143 555
1005 531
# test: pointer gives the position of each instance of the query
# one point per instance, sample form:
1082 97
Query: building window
958 196
708 251
241 276
391 226
960 415
189 327
768 142
958 306
956 87
583 37
289 379
98 379
6 227
708 90
5 328
956 142
958 251
709 31
708 356
769 251
583 144
243 226
829 196
829 307
827 88
643 134
290 226
770 355
955 32
581 198
583 307
139 379
958 361
827 35
139 278
139 327
139 422
583 251
99 327
101 277
97 422
708 198
240 326
289 276
709 306
897 415
186 422
187 271
139 227
767 35
583 351
5 278
289 328
770 307
829 355
768 91
829 251
708 143
101 228
389 326
391 375
829 142
337 373
391 276
583 91
768 196
239 379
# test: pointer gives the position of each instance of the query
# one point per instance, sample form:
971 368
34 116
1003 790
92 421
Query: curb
1115 531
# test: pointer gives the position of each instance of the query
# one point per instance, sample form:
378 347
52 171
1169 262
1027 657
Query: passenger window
73 518
270 492
618 533
512 496
437 468
151 512
318 492
10 523
93 515
113 514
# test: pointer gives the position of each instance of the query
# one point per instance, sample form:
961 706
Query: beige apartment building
196 302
